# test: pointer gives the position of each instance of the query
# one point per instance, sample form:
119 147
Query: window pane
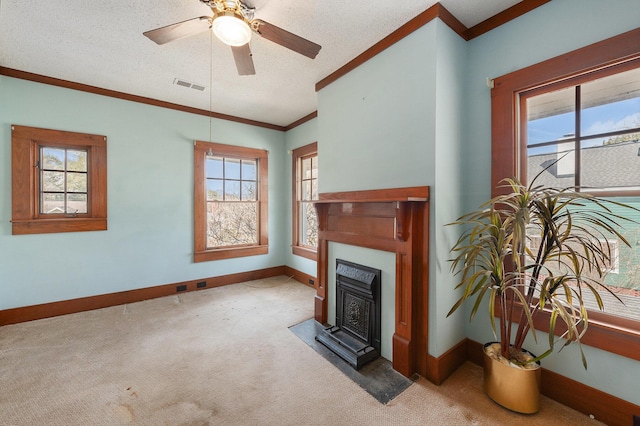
555 163
610 104
214 167
306 190
215 190
622 268
550 138
624 272
232 224
249 191
314 189
314 167
306 168
611 166
232 190
551 116
231 168
52 203
249 169
76 203
53 181
76 160
52 159
76 182
308 225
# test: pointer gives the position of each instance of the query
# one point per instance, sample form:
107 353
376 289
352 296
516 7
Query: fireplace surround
394 220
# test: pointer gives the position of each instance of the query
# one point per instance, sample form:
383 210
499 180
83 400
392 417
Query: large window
59 181
230 201
305 192
575 121
584 133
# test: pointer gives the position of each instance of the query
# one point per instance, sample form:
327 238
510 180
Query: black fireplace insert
356 334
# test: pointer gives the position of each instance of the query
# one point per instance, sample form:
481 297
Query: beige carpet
222 356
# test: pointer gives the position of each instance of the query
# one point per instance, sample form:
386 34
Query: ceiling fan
232 22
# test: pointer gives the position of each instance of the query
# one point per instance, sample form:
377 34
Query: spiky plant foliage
532 249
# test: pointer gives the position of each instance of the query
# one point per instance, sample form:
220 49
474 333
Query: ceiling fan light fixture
231 29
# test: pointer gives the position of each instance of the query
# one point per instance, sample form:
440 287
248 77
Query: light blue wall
555 28
376 125
446 193
302 135
150 198
395 121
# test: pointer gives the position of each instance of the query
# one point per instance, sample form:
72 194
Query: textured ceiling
101 44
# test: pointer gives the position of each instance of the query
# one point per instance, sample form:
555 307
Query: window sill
308 253
229 253
602 334
621 339
48 226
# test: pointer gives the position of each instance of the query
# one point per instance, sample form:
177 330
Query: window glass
309 192
230 224
249 191
231 168
305 192
63 181
551 137
232 202
215 169
587 136
550 117
231 190
611 104
215 190
249 170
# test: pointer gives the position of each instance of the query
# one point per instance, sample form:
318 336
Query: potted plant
530 250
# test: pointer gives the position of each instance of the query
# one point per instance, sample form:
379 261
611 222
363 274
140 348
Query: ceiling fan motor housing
233 23
231 28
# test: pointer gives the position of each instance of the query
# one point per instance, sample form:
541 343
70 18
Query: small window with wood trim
230 201
59 181
305 192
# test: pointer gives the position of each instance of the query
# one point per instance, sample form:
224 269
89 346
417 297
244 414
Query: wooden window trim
296 247
25 186
615 335
201 253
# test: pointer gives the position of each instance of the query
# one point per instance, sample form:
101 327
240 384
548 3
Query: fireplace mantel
394 220
415 193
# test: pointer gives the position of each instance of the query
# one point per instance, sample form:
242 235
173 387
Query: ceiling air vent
184 83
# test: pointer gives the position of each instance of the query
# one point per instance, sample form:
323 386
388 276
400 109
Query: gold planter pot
514 388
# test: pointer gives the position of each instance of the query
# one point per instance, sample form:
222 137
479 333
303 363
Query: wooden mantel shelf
414 193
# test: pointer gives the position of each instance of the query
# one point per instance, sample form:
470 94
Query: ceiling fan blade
179 30
287 39
244 62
